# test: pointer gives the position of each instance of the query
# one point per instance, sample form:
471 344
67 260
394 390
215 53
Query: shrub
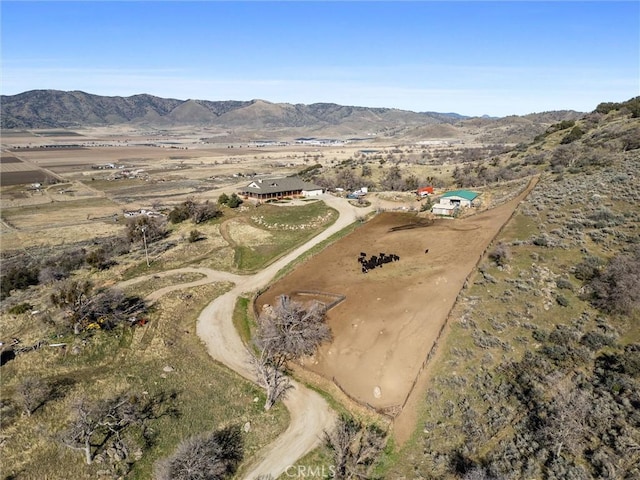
595 340
500 254
617 288
179 214
194 236
223 199
587 269
234 201
18 278
99 259
20 308
541 241
562 301
564 284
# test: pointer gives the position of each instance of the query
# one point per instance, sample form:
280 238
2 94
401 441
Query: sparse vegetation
541 382
212 456
198 212
543 369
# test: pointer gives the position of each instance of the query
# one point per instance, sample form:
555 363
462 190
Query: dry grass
208 395
494 319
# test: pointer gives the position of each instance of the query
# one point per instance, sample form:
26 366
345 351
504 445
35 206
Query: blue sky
474 58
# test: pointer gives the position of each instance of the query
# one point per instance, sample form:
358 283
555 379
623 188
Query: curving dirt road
309 413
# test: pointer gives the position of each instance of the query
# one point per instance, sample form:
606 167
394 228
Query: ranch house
275 188
450 202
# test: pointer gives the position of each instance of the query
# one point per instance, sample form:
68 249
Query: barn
450 202
275 188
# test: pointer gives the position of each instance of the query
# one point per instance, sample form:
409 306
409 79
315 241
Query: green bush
194 236
18 278
223 199
575 134
20 308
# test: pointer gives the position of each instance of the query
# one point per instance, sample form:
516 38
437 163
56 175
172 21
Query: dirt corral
391 315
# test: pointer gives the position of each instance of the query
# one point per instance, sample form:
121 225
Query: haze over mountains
38 109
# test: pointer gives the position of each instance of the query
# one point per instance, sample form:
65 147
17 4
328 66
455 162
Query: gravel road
309 413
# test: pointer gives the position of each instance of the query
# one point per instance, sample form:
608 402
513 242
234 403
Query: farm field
392 315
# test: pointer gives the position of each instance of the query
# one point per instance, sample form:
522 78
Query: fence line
384 411
532 183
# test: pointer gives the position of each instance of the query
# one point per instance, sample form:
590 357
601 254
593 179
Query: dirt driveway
392 315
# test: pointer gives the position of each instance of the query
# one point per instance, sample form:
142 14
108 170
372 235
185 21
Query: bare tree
566 423
291 330
146 228
617 288
287 331
95 422
501 254
106 308
212 456
32 393
392 179
205 211
355 447
271 375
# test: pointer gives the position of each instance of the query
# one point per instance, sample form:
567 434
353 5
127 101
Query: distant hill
60 109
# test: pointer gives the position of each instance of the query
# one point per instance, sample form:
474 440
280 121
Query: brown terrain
392 315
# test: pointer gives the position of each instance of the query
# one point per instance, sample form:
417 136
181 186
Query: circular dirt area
391 315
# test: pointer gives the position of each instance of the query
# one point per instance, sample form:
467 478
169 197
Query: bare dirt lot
392 315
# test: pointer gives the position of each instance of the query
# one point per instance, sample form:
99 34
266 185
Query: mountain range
42 109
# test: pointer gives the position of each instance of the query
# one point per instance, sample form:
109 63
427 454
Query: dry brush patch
163 357
533 302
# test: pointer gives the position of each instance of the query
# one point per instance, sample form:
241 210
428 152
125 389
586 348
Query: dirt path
309 413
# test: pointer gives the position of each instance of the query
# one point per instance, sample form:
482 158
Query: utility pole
144 239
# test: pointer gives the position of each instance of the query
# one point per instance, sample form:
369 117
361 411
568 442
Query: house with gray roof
275 188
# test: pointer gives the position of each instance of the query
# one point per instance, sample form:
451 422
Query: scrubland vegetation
106 384
537 376
539 371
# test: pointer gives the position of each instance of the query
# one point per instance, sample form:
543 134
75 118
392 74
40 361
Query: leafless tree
213 456
617 288
287 331
96 422
291 330
566 423
83 307
500 254
32 393
271 375
204 211
392 179
151 228
355 447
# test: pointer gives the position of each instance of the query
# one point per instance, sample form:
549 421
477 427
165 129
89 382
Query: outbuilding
460 198
451 202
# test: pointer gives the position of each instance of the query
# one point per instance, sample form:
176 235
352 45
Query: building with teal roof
451 202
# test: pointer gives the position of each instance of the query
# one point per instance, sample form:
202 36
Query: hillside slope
59 109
